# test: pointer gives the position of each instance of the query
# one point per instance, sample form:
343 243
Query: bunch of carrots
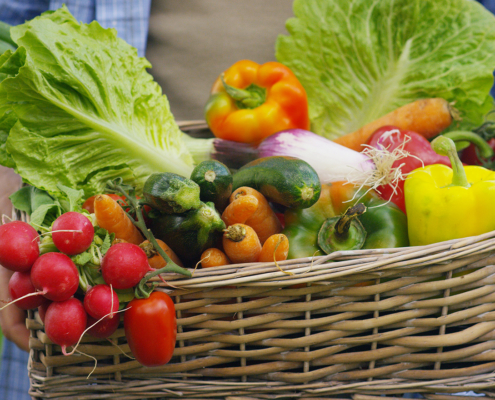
252 233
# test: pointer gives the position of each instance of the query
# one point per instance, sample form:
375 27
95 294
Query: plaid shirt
14 381
129 17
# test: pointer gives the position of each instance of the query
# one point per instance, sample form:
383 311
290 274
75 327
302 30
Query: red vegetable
124 265
104 328
471 156
20 285
55 276
98 301
76 242
42 309
419 148
65 322
18 246
151 329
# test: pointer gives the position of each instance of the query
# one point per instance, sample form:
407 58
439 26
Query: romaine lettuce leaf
87 110
360 59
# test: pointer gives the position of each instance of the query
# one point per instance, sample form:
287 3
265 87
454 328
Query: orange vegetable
110 216
249 102
275 248
155 260
428 117
264 221
214 257
240 210
241 243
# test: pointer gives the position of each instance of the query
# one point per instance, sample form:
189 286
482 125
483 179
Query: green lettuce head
87 111
361 59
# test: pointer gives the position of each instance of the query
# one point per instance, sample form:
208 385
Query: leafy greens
86 110
360 59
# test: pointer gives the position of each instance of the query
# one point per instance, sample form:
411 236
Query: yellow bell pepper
446 203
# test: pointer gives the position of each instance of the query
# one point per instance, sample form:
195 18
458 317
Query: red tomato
470 156
151 329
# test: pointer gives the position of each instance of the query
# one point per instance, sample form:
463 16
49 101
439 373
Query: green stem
463 139
446 147
344 223
251 97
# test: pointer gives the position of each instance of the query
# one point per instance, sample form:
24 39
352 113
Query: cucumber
190 233
288 181
171 193
215 182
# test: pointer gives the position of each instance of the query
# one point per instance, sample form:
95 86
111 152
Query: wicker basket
360 323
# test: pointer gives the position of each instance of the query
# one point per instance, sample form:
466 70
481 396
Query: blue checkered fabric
129 17
14 381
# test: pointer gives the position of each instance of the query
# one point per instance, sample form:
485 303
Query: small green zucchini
171 193
215 182
288 181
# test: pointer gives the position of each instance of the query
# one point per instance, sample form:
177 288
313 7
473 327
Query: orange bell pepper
250 101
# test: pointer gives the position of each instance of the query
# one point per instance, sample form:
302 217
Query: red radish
104 328
124 265
20 285
65 322
72 233
19 247
42 309
101 300
55 275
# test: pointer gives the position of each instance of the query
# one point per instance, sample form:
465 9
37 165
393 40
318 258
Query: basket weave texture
361 323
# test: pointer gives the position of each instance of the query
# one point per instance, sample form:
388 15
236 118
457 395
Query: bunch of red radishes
50 281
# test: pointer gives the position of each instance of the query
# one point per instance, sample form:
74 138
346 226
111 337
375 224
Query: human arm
12 319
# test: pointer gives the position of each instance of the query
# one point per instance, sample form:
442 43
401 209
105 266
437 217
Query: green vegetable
44 209
190 233
171 193
360 59
385 224
5 34
87 110
215 181
343 233
288 181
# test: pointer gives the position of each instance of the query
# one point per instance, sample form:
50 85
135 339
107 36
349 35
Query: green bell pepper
385 224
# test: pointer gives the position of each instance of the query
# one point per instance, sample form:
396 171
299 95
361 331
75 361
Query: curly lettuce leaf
361 59
87 110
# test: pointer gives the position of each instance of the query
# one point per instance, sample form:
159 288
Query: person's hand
12 319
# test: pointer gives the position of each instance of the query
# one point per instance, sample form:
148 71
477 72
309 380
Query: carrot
214 257
241 243
264 221
110 216
275 248
428 117
155 260
240 210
